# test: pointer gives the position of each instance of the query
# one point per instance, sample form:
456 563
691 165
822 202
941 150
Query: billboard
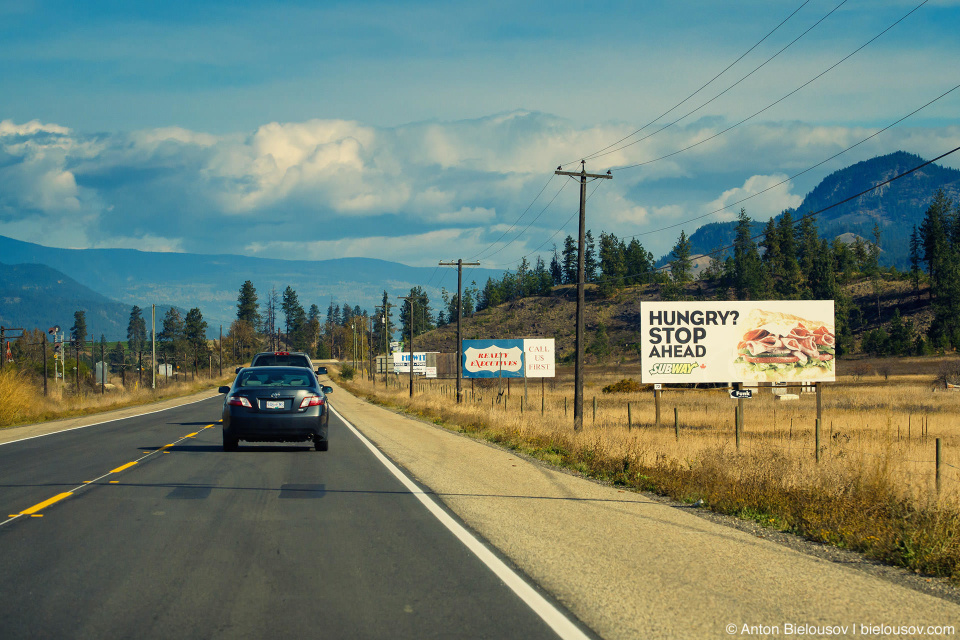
401 363
508 358
752 341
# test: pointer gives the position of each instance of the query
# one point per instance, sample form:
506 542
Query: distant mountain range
210 282
897 207
34 296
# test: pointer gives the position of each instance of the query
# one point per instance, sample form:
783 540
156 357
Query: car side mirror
238 369
321 371
224 390
328 390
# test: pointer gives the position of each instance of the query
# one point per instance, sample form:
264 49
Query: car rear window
254 379
273 360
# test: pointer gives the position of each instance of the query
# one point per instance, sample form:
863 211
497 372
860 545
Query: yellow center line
45 503
32 511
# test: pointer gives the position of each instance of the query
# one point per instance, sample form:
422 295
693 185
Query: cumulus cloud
765 193
325 188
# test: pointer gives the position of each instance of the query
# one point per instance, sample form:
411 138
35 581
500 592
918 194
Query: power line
844 201
796 175
773 104
519 218
727 68
604 151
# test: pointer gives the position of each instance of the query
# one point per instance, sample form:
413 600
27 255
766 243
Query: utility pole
578 375
153 348
221 351
409 300
459 264
386 338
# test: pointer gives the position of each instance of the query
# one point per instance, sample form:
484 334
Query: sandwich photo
780 346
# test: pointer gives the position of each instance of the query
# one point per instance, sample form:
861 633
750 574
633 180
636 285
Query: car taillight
239 401
311 401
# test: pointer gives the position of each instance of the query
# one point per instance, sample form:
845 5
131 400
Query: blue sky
421 131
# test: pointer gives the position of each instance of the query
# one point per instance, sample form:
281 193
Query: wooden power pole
578 375
459 265
409 300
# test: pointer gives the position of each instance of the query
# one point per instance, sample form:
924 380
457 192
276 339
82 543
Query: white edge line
543 608
84 426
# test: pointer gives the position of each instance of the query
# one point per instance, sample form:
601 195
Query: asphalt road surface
145 528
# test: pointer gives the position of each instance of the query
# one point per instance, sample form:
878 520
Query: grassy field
874 489
24 403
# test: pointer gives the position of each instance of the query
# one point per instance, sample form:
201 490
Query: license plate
274 404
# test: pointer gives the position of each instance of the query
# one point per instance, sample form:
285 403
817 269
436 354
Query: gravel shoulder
631 565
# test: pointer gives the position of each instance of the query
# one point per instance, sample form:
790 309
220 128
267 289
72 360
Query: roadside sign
741 393
657 387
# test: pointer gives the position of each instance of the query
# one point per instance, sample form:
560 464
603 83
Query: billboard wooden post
656 403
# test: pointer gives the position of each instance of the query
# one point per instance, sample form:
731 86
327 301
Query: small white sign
539 358
657 387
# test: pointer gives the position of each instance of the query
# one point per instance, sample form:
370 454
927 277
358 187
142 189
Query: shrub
347 372
628 385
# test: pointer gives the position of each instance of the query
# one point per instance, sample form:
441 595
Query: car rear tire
230 444
321 445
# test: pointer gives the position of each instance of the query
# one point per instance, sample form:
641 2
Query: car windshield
276 378
274 360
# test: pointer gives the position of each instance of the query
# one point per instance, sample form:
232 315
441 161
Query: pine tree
569 261
556 268
247 307
680 266
590 262
638 263
136 331
78 332
195 335
613 264
915 260
748 272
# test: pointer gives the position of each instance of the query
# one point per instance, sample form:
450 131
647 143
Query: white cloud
765 193
337 187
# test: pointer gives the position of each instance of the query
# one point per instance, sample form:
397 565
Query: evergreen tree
195 335
748 273
569 261
680 265
590 262
915 260
421 318
808 242
170 336
556 267
78 332
136 331
639 263
542 281
247 307
613 264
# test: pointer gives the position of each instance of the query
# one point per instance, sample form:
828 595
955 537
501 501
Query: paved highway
144 528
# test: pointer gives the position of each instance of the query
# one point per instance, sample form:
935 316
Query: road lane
277 541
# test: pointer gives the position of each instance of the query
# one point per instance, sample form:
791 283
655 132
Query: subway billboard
753 341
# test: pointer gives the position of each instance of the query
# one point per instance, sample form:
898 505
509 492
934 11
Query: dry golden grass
874 489
23 401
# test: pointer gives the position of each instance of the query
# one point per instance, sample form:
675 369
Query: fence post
521 404
676 422
736 424
656 402
564 406
629 418
939 451
594 409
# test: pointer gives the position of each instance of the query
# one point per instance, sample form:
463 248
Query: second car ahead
275 404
